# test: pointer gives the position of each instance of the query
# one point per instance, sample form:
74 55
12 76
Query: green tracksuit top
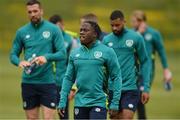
153 43
125 45
62 65
67 41
43 39
90 67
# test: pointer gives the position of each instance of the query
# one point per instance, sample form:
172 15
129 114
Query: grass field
162 105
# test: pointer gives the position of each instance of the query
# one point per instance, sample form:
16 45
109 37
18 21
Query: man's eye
35 11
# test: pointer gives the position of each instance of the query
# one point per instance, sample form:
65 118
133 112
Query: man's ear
95 35
42 11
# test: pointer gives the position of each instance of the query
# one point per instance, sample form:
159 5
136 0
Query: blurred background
161 14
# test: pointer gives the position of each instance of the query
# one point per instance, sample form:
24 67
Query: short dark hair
96 28
116 14
90 17
55 18
32 2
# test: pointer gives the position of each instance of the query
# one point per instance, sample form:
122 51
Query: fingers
167 75
113 114
40 60
61 112
71 95
144 98
23 64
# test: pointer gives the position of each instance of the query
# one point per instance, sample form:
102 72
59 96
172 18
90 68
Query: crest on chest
46 34
97 54
129 43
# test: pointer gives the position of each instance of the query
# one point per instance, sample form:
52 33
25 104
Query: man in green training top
153 43
44 42
90 65
60 66
126 43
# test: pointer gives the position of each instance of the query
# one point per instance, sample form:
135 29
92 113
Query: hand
40 60
167 75
71 94
142 27
61 112
145 97
113 114
23 64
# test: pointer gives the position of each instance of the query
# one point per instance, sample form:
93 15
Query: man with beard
90 65
153 43
126 43
44 42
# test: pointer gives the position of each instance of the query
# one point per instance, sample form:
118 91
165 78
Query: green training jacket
126 45
43 39
154 43
90 67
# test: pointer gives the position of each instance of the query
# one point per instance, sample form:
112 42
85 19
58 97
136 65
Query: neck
89 45
37 23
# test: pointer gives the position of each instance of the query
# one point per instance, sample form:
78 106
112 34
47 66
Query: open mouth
82 37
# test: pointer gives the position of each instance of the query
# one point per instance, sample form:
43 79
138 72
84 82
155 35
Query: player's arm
115 75
68 82
144 67
59 49
162 54
16 51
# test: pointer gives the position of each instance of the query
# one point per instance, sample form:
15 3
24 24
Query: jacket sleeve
158 42
59 49
116 79
16 49
68 82
144 62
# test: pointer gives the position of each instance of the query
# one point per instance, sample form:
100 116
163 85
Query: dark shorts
90 113
129 99
34 95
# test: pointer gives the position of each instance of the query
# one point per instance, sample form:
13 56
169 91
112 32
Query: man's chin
116 33
35 21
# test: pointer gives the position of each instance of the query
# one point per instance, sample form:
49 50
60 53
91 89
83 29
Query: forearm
163 58
145 68
117 86
60 55
14 59
66 87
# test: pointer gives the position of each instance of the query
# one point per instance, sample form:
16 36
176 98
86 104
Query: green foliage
162 14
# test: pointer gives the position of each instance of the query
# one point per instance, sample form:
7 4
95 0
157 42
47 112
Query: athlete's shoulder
75 51
105 48
49 25
25 27
133 34
130 32
153 30
108 37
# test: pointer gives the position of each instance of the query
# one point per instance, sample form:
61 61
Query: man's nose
114 28
32 14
